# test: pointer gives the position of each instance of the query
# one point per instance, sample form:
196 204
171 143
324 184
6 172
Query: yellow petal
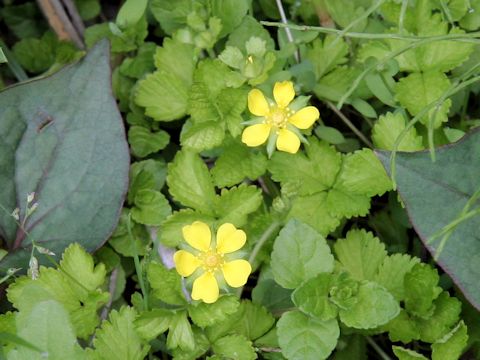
229 239
236 272
283 93
197 235
205 288
304 118
257 104
185 263
287 141
256 134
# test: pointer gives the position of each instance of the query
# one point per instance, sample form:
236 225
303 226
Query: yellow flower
278 121
211 260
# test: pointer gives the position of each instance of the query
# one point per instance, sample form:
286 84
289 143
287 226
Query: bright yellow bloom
211 260
278 121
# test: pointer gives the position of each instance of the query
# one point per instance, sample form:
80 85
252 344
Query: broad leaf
62 138
435 193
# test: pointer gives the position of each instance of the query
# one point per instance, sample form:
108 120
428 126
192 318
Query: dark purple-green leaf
62 137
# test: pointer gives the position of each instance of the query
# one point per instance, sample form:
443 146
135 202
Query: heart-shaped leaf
435 195
62 138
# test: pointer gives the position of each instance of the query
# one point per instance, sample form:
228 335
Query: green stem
401 18
138 266
13 64
377 348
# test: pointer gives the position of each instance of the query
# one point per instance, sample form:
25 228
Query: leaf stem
377 348
138 266
287 28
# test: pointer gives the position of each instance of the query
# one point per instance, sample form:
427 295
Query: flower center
211 260
278 117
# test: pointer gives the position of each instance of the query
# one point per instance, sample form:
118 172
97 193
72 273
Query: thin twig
75 16
112 286
287 29
350 124
378 349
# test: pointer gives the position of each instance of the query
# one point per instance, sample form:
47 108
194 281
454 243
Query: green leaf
144 142
151 207
312 297
88 9
202 345
189 182
166 284
176 58
421 290
202 136
387 130
299 253
235 204
147 174
36 55
180 334
451 346
362 173
374 307
329 134
418 90
345 12
342 203
24 20
271 295
316 171
391 273
230 12
446 314
164 96
232 56
40 146
304 338
171 16
236 163
117 337
250 320
123 243
360 254
151 324
471 21
75 285
141 64
403 328
203 314
407 354
47 327
171 232
248 28
130 13
426 187
234 347
121 41
327 54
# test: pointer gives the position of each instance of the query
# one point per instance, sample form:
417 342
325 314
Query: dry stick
350 124
59 21
76 19
287 29
111 289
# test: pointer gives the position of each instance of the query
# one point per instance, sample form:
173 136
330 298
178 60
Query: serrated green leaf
36 55
57 104
230 12
47 326
374 307
236 163
117 338
360 254
130 13
75 285
363 173
327 54
407 354
202 136
171 16
299 253
248 28
313 210
180 334
418 90
316 171
304 338
151 324
232 56
312 297
471 21
446 314
333 85
123 243
391 273
147 174
141 64
164 96
343 203
403 328
151 207
271 295
144 142
176 58
235 204
189 182
166 284
203 314
451 346
421 290
425 188
387 130
202 345
250 320
235 347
